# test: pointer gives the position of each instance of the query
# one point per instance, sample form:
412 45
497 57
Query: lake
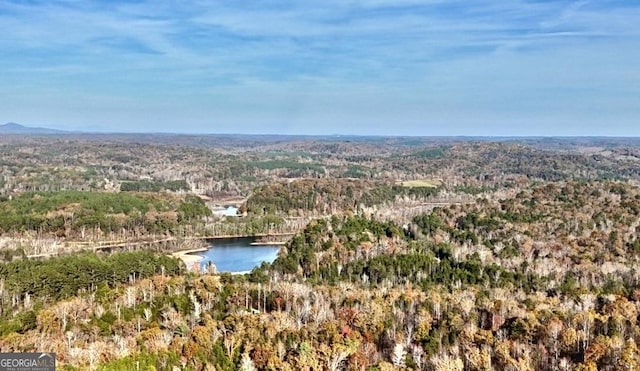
237 255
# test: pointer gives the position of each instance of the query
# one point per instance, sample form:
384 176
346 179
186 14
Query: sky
350 67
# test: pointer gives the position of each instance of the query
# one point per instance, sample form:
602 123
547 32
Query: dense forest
328 196
405 253
65 213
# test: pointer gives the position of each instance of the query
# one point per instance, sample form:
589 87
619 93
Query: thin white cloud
403 57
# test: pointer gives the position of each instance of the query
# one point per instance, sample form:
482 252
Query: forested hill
73 213
328 196
406 253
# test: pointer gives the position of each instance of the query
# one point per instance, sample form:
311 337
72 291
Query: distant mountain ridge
13 128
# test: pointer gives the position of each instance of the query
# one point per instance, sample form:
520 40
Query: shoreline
190 260
267 243
193 257
165 244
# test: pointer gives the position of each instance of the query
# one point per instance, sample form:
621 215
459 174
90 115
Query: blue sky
381 67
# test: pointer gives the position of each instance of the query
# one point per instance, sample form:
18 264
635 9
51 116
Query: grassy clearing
428 183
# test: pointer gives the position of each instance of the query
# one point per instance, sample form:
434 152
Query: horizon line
57 131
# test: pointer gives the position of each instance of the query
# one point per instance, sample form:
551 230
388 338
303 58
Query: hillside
410 254
13 128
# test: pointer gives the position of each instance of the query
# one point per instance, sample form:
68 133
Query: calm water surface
237 255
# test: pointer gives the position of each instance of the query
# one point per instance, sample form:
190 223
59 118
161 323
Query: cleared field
429 183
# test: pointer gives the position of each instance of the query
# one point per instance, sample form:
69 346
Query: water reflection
237 255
